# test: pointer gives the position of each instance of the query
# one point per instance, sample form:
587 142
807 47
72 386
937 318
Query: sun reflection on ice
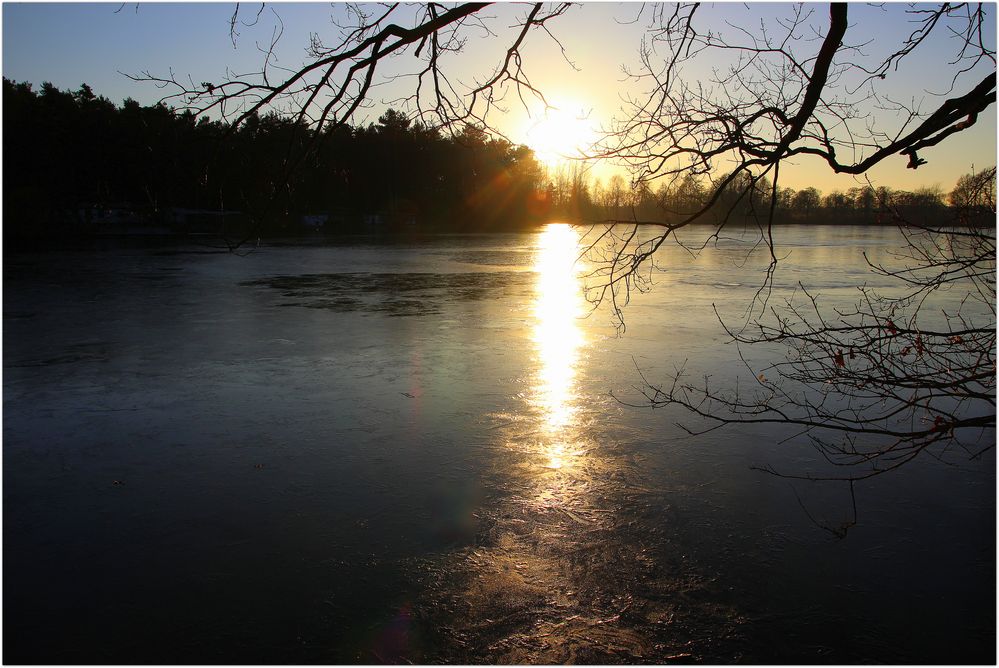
558 339
545 560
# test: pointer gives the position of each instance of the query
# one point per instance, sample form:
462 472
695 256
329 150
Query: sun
563 132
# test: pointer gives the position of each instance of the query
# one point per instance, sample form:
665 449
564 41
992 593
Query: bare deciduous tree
338 79
875 385
772 104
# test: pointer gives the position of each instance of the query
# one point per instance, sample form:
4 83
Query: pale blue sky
68 44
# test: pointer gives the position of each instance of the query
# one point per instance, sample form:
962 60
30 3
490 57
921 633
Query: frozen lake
413 450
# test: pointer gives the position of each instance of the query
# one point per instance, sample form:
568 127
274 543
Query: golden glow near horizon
558 338
565 131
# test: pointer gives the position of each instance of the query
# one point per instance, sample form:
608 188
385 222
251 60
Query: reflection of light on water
557 307
556 454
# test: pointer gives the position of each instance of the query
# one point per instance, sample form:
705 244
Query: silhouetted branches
337 80
773 103
871 386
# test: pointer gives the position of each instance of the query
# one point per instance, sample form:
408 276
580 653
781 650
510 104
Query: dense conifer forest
71 156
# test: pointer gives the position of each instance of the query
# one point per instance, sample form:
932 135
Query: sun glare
565 131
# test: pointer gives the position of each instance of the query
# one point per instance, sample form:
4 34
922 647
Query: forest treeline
745 199
71 158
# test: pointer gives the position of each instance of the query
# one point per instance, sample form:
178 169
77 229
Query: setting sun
564 131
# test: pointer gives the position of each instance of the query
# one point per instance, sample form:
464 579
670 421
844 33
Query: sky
69 44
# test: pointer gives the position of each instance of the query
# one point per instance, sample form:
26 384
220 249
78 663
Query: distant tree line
972 200
69 154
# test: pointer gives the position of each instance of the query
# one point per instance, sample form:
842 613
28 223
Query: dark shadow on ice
409 294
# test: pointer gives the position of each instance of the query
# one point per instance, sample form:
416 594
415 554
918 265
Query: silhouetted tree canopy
67 152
